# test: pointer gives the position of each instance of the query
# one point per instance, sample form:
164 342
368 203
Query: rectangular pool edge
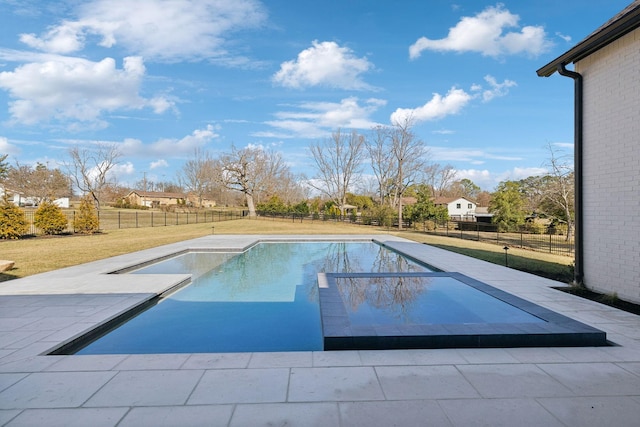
556 331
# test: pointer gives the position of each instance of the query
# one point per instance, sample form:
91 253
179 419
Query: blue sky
161 79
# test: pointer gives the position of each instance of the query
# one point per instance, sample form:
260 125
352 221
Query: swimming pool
263 299
311 296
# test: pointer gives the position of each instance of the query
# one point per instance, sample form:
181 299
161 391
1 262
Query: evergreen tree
13 221
50 219
86 220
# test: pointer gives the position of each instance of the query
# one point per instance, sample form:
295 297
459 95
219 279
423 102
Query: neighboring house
194 200
19 199
154 198
459 208
607 153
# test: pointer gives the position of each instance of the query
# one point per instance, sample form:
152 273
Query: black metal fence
115 220
550 241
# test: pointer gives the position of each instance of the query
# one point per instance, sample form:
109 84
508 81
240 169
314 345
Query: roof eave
595 42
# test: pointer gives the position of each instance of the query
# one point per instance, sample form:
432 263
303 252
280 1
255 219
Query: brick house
154 198
607 153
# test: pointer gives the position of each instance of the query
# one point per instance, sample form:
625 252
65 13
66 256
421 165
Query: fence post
549 242
119 219
165 218
136 219
151 218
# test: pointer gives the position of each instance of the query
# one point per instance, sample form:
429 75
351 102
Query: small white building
459 208
19 199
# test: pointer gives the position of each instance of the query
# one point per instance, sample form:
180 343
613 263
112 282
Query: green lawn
41 254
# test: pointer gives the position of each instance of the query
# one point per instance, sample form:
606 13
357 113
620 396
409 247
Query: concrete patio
562 386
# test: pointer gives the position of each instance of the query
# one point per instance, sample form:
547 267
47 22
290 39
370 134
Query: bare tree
409 154
338 160
39 183
252 171
197 175
379 146
560 189
89 168
439 178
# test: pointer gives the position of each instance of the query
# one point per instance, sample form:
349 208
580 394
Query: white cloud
564 37
443 132
6 148
517 174
563 145
471 155
162 163
486 33
324 64
453 102
496 89
436 108
155 29
481 178
75 90
125 168
318 119
170 147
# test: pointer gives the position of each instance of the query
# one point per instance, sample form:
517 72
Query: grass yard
42 254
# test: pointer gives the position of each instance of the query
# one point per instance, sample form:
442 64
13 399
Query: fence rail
122 219
549 242
115 220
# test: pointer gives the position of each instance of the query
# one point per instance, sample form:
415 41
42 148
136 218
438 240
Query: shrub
13 221
535 228
49 218
86 220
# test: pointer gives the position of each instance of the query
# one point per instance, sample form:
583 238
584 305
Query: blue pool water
264 299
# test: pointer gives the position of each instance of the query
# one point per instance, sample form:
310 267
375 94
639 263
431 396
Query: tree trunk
250 204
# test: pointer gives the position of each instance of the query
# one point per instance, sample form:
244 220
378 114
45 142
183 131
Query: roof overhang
624 22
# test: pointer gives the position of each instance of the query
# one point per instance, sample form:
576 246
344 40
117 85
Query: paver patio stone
424 382
77 417
392 413
286 414
336 358
183 416
53 389
241 386
334 384
217 361
139 362
597 411
595 379
90 362
498 413
7 380
411 357
504 381
146 388
8 414
281 359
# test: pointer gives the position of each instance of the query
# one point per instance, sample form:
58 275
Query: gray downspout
577 173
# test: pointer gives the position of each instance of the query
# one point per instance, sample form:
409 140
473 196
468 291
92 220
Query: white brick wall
612 167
